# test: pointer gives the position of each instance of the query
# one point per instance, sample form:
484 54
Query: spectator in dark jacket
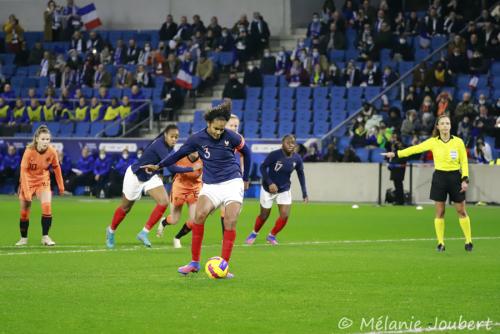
259 34
102 168
233 89
316 28
83 172
268 63
168 29
253 77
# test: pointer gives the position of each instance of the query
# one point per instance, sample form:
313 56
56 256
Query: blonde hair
41 129
435 131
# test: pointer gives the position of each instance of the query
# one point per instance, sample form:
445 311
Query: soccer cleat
22 242
271 239
161 228
229 276
177 243
440 248
468 247
251 238
192 267
143 237
47 241
110 238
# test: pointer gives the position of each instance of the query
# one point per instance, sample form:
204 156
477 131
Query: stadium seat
269 103
251 129
320 129
363 154
320 104
268 115
337 55
375 154
253 93
320 116
252 104
270 81
286 115
303 93
268 129
82 129
303 129
285 128
66 129
269 93
302 115
96 128
251 115
112 129
320 93
237 104
287 93
337 93
184 129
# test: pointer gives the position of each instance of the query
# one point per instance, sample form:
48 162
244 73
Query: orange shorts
181 196
34 190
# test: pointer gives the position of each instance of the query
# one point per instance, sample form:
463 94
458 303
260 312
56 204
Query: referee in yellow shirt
451 176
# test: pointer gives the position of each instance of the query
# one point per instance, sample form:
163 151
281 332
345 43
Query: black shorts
444 183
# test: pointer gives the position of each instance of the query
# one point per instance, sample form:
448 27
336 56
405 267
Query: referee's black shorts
444 183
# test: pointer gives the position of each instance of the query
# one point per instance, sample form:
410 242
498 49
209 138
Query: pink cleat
192 267
271 239
251 238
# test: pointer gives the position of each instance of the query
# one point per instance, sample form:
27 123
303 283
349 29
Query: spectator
335 76
120 53
337 19
106 57
78 43
95 42
214 27
482 151
385 38
36 54
34 111
336 40
142 77
168 29
252 77
297 75
402 50
117 173
145 55
394 121
421 76
316 28
318 77
312 154
452 24
465 107
350 155
14 34
125 110
205 70
71 18
315 58
483 124
96 110
22 56
241 23
198 25
233 89
268 63
352 75
332 154
226 42
282 62
173 99
132 52
370 76
52 22
242 45
48 110
432 24
82 112
478 64
412 24
113 111
211 40
259 35
444 103
74 60
457 62
457 42
411 124
101 170
465 130
19 114
102 78
184 30
83 172
173 65
359 135
410 100
9 167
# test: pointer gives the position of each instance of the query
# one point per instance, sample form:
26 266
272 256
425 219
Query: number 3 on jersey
207 152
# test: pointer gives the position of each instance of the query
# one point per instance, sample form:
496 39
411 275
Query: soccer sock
198 230
117 218
24 223
258 224
167 221
228 243
157 213
278 226
439 226
184 230
465 225
46 223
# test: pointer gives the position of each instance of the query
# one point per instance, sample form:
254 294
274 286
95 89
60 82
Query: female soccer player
223 183
136 181
185 190
451 176
276 171
35 180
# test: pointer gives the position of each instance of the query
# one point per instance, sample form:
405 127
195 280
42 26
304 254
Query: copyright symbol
345 323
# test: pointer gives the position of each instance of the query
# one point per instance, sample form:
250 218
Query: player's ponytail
222 112
41 129
435 131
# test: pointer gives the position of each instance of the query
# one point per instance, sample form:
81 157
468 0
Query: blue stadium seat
237 104
303 104
495 69
184 129
53 127
320 104
375 154
269 93
268 129
302 115
251 129
238 113
96 128
286 104
355 93
320 93
66 129
285 128
337 93
112 130
320 129
269 115
115 92
82 129
371 92
320 116
87 92
437 41
22 71
363 154
216 102
252 104
303 129
253 93
198 116
421 54
303 93
270 80
251 115
269 104
286 115
282 82
496 82
338 105
287 93
337 55
226 58
405 66
198 126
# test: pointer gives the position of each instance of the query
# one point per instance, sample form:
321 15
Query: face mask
359 119
250 67
315 20
224 34
387 72
267 54
498 104
281 54
315 54
427 103
102 156
301 44
147 49
402 41
125 156
74 58
139 155
482 102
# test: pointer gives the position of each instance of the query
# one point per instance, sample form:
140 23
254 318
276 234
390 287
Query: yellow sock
439 226
465 225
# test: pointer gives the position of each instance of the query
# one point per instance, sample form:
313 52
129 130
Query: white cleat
47 241
161 228
177 243
22 242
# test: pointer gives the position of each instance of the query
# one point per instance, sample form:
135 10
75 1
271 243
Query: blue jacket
102 167
10 161
85 164
122 164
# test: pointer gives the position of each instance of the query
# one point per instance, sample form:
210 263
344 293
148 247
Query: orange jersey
191 180
35 169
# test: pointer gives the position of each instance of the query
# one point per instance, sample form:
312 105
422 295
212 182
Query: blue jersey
152 155
219 160
277 168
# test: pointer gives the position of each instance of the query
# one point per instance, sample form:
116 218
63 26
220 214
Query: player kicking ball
451 176
223 182
276 171
35 180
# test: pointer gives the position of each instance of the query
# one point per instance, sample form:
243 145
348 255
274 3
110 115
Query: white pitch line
302 243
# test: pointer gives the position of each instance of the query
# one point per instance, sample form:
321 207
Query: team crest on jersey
278 166
294 164
226 142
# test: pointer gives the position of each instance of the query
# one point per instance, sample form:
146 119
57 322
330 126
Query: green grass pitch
334 262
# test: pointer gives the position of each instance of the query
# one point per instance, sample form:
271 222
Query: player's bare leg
259 222
171 219
159 194
284 211
203 209
439 224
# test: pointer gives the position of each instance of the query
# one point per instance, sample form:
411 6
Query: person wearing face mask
457 61
253 77
268 63
259 35
336 40
464 107
233 88
297 75
402 50
282 62
83 171
316 28
102 168
315 58
226 42
117 172
146 55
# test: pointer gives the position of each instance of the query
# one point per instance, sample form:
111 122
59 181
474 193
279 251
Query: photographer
482 151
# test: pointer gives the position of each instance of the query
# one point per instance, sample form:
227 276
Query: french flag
184 79
89 16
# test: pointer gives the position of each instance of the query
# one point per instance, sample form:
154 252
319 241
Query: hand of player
465 185
306 199
389 155
150 169
197 167
246 185
61 192
273 189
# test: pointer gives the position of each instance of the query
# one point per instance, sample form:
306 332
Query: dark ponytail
222 112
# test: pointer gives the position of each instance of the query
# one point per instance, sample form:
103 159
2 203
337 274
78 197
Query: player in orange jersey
185 190
35 180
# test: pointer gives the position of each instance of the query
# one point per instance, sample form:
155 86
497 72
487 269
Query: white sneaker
161 228
22 242
177 243
47 241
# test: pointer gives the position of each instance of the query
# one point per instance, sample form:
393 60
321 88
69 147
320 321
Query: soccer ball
216 267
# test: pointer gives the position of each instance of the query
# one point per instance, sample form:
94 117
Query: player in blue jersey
137 181
276 171
223 182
